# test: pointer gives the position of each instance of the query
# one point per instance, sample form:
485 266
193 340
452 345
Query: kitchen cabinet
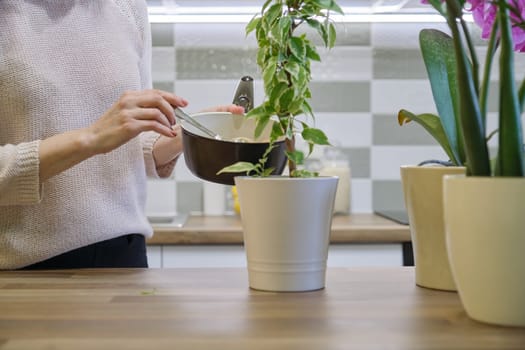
216 241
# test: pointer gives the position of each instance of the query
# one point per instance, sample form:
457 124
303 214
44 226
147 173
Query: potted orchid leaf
423 183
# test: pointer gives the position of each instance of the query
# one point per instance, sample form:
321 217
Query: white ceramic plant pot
286 225
423 192
485 233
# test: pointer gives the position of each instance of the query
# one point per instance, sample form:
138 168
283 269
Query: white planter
423 192
485 233
286 225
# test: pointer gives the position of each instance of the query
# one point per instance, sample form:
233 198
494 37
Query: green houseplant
284 56
287 219
483 211
460 95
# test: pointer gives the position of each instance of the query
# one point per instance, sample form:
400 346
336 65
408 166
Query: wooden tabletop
361 308
362 228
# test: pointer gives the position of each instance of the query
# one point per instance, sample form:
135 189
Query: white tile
386 160
389 96
346 129
361 196
163 64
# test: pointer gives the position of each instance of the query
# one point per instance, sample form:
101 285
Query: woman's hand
133 113
226 108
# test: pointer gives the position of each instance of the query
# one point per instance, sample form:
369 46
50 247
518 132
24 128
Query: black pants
124 251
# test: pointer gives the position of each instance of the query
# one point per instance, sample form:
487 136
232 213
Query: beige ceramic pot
286 226
485 233
423 192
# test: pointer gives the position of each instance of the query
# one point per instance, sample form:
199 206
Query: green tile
398 64
215 63
348 34
340 96
387 195
387 131
359 161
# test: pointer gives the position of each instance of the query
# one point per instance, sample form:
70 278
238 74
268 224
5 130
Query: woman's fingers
151 125
173 99
151 99
226 108
150 114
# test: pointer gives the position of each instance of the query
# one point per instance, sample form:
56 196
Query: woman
80 130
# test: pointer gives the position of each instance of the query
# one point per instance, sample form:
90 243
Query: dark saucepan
205 156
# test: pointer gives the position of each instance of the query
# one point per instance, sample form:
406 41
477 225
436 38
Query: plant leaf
315 136
311 53
239 167
472 126
261 124
298 48
331 35
297 157
257 112
329 5
510 152
433 125
254 22
439 57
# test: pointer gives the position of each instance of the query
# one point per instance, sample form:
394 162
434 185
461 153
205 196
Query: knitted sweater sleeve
19 174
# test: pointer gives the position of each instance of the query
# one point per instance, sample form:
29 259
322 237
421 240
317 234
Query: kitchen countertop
361 308
361 228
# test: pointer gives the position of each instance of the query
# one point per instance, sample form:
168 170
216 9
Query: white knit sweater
63 63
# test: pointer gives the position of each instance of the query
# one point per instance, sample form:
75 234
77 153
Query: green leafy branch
284 57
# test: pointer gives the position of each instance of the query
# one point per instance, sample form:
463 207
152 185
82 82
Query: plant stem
478 162
491 49
521 95
290 147
510 161
472 51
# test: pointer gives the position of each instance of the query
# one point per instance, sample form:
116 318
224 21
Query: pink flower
484 13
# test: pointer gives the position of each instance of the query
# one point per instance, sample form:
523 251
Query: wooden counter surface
361 308
360 228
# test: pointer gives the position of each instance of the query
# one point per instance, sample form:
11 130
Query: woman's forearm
61 152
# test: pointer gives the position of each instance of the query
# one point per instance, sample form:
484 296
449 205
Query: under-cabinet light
348 18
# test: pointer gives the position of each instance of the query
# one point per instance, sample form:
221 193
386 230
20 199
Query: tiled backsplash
374 70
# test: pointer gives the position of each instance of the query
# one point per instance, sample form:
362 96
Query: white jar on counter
336 164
